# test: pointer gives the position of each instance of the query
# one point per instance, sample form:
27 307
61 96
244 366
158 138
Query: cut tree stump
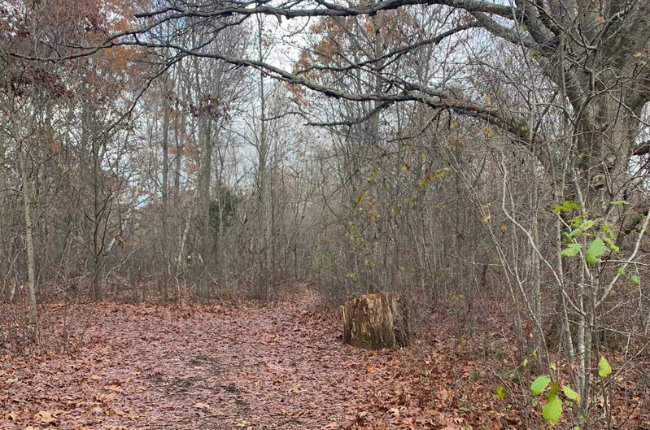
374 322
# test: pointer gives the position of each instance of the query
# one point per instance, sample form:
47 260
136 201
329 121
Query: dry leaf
114 388
45 417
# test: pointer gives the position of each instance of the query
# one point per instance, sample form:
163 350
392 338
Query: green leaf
621 271
604 369
575 222
586 225
570 394
552 411
573 234
595 250
566 206
500 392
552 392
571 250
611 245
635 280
581 229
607 231
619 202
539 385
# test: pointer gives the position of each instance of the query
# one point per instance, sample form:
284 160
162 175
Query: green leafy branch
583 227
552 410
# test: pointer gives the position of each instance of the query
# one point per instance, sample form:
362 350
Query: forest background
489 157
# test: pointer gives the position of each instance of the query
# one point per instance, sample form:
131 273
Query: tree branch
325 9
642 148
398 52
500 31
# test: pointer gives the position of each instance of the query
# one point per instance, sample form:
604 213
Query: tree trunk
263 151
205 209
165 191
374 322
29 240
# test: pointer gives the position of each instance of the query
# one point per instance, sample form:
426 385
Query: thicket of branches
487 153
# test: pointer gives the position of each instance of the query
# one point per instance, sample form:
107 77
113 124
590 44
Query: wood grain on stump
374 322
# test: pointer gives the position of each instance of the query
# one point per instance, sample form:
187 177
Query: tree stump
374 322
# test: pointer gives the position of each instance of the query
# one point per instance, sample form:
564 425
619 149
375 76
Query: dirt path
280 366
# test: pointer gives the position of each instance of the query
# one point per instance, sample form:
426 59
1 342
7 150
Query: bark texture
374 322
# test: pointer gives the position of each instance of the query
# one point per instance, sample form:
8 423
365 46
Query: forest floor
280 365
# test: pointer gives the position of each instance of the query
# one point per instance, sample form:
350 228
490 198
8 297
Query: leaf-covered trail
280 366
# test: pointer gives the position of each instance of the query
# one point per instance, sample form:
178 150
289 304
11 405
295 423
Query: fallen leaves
48 417
278 366
11 416
114 388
